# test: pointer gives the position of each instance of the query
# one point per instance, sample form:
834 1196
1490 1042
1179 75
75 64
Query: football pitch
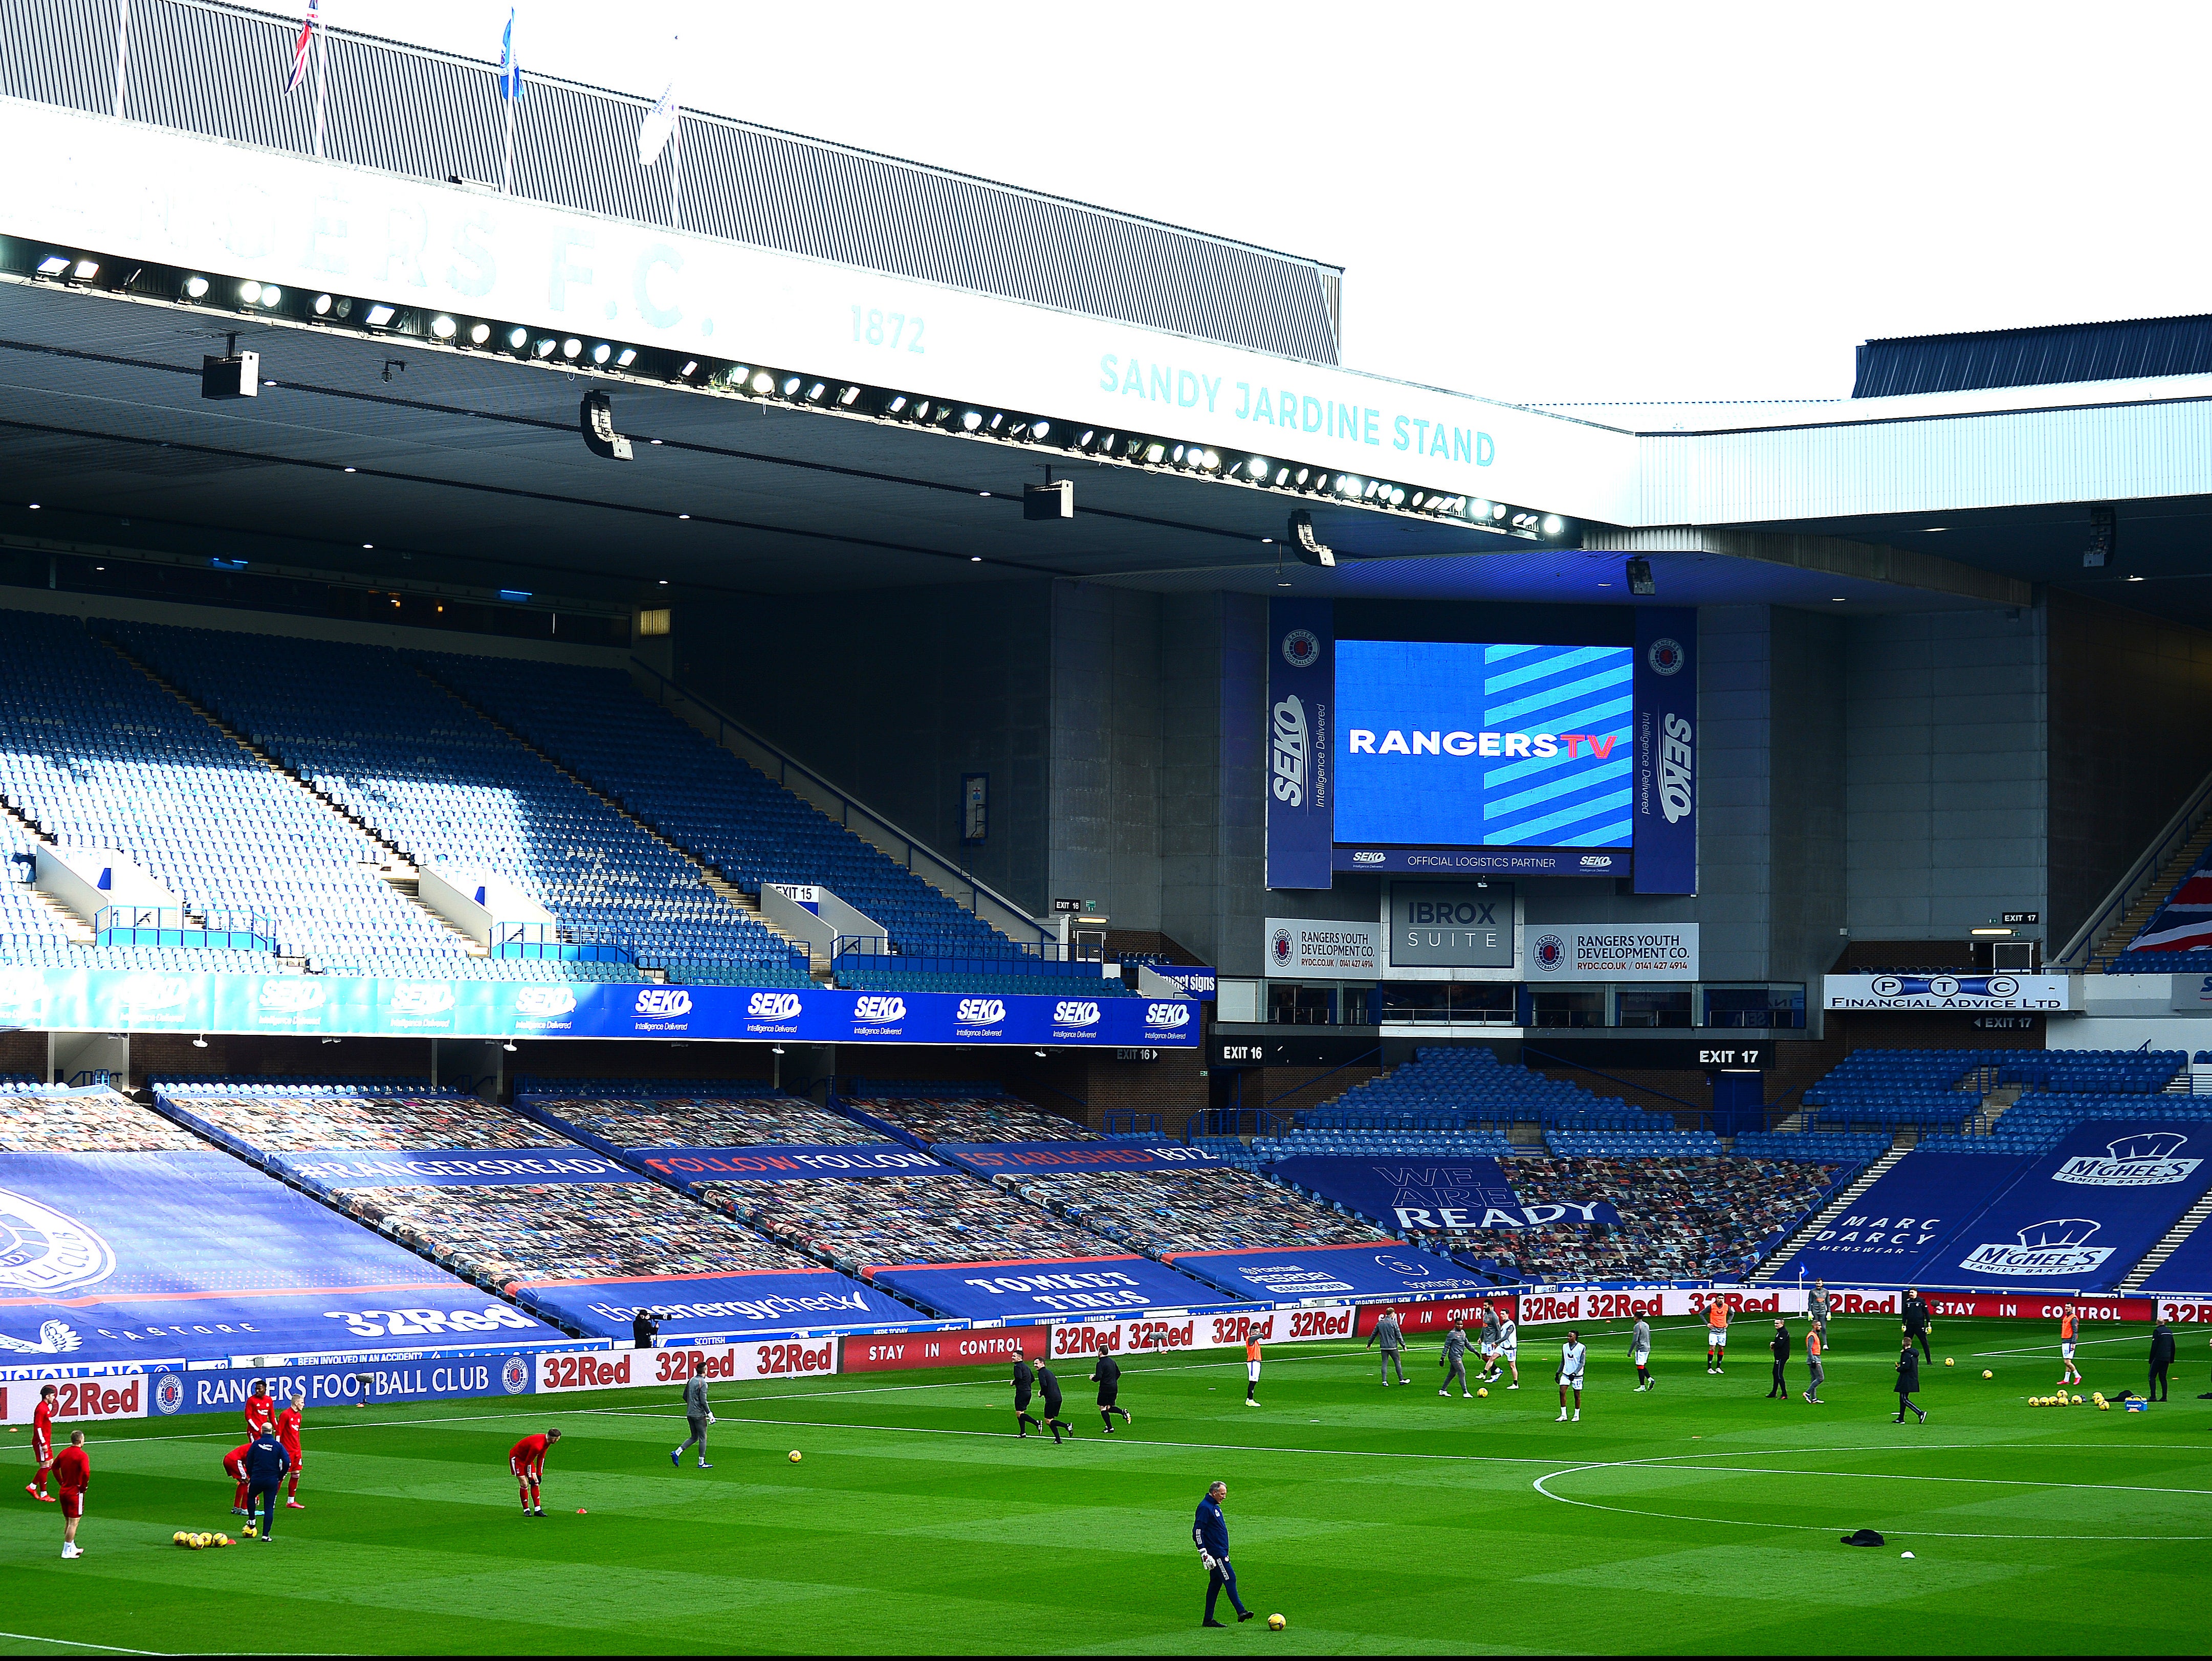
1700 1518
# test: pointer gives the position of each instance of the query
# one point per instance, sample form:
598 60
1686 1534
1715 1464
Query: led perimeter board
1453 756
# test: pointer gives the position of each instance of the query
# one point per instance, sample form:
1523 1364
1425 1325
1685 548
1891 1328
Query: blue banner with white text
1665 805
1046 1287
717 1308
996 1156
1280 1275
1420 1195
118 1000
1300 707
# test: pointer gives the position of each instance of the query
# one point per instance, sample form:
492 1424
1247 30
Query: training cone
580 1510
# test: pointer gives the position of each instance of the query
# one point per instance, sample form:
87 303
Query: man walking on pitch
1388 1333
1779 1343
1908 1381
1453 1358
1816 1309
1639 1353
1919 1319
1509 1347
42 1442
1815 1347
696 1411
1489 1341
2161 1357
266 1463
1025 1386
1049 1386
72 1476
1717 1320
526 1459
1107 1375
1252 1367
1210 1533
1572 1354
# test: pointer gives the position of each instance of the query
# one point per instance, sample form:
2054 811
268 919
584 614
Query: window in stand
1758 1005
1293 1003
1470 1002
1654 1006
1557 1009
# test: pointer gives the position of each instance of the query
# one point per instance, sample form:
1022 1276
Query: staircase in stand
1811 1227
2154 1260
2114 940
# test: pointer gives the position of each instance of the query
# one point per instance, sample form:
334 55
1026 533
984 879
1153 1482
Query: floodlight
380 315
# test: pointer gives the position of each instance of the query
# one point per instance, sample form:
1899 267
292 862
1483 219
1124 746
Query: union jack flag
2184 923
300 46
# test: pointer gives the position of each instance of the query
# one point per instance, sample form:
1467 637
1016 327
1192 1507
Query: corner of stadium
862 776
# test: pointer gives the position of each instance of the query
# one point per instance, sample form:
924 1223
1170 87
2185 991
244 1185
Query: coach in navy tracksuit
1210 1533
266 1461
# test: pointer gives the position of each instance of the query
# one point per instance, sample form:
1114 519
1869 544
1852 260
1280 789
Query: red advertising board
2009 1305
1436 1316
895 1352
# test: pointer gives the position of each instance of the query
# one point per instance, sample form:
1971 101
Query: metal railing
560 943
171 926
946 876
2187 820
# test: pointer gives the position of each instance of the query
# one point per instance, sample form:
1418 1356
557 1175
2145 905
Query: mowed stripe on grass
1376 1520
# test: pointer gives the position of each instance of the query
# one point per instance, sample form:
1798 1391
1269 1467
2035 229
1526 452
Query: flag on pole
300 46
657 127
510 68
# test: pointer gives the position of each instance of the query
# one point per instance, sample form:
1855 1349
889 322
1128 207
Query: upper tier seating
706 800
437 781
760 1119
1944 1088
2037 1123
1475 1084
1680 1219
98 757
1333 1142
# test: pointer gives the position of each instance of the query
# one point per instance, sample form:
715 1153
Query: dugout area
1700 1519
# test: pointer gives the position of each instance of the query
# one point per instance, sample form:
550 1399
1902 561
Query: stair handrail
2187 819
851 805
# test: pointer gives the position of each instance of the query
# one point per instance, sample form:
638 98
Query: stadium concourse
597 803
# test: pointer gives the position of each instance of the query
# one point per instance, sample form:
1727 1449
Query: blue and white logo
46 1252
168 1393
1300 649
1666 656
879 1010
1550 951
2142 1160
291 995
1167 1014
1075 1012
514 1377
422 997
985 1011
664 1001
770 1006
544 1001
2057 1245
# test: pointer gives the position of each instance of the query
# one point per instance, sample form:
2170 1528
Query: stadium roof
2053 354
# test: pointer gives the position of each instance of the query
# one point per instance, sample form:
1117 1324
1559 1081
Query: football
795 1456
1276 1623
1986 1373
2077 1401
1482 1390
177 1538
1948 1361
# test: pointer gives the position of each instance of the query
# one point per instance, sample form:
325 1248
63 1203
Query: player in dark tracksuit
1908 1381
1048 1386
2161 1357
1107 1375
1025 1386
1779 1343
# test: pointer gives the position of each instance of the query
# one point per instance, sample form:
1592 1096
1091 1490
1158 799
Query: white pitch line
71 1643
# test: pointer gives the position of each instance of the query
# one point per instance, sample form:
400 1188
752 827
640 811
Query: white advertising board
1611 951
630 1369
1298 945
135 192
1962 992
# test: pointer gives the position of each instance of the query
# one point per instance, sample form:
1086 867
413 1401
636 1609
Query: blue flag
510 68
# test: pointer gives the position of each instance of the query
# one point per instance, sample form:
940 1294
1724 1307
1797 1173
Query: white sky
1541 201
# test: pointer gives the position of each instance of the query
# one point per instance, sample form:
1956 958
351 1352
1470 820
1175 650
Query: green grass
1700 1518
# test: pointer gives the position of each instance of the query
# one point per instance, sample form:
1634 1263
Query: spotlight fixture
626 357
444 327
380 316
1053 500
200 1043
1309 549
271 294
602 352
776 1049
517 339
509 1046
1639 579
249 292
596 417
85 270
479 333
54 264
972 419
196 287
321 305
571 346
237 375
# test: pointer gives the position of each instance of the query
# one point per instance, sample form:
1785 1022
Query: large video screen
1453 743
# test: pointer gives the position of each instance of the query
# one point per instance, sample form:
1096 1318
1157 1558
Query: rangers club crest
1278 948
168 1393
1666 656
1550 951
45 1251
514 1377
1301 648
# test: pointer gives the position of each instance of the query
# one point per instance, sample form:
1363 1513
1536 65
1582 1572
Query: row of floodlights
907 408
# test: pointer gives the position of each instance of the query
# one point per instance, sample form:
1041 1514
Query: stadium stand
1330 1141
434 779
930 1119
97 755
757 1119
55 1119
1680 1218
707 801
1199 1209
2177 938
1443 1086
2037 1123
500 1236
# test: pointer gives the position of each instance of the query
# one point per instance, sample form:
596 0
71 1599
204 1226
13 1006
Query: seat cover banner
780 1163
188 1256
1415 1194
1045 1287
1333 1271
449 1167
718 1307
2082 1215
1894 1232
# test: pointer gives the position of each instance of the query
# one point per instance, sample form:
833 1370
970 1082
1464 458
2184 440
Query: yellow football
1276 1623
177 1538
199 1542
795 1456
2077 1401
1986 1373
1948 1361
1482 1390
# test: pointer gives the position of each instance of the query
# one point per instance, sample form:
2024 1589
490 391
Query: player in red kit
526 1459
42 1442
288 1432
73 1472
233 1466
260 1410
